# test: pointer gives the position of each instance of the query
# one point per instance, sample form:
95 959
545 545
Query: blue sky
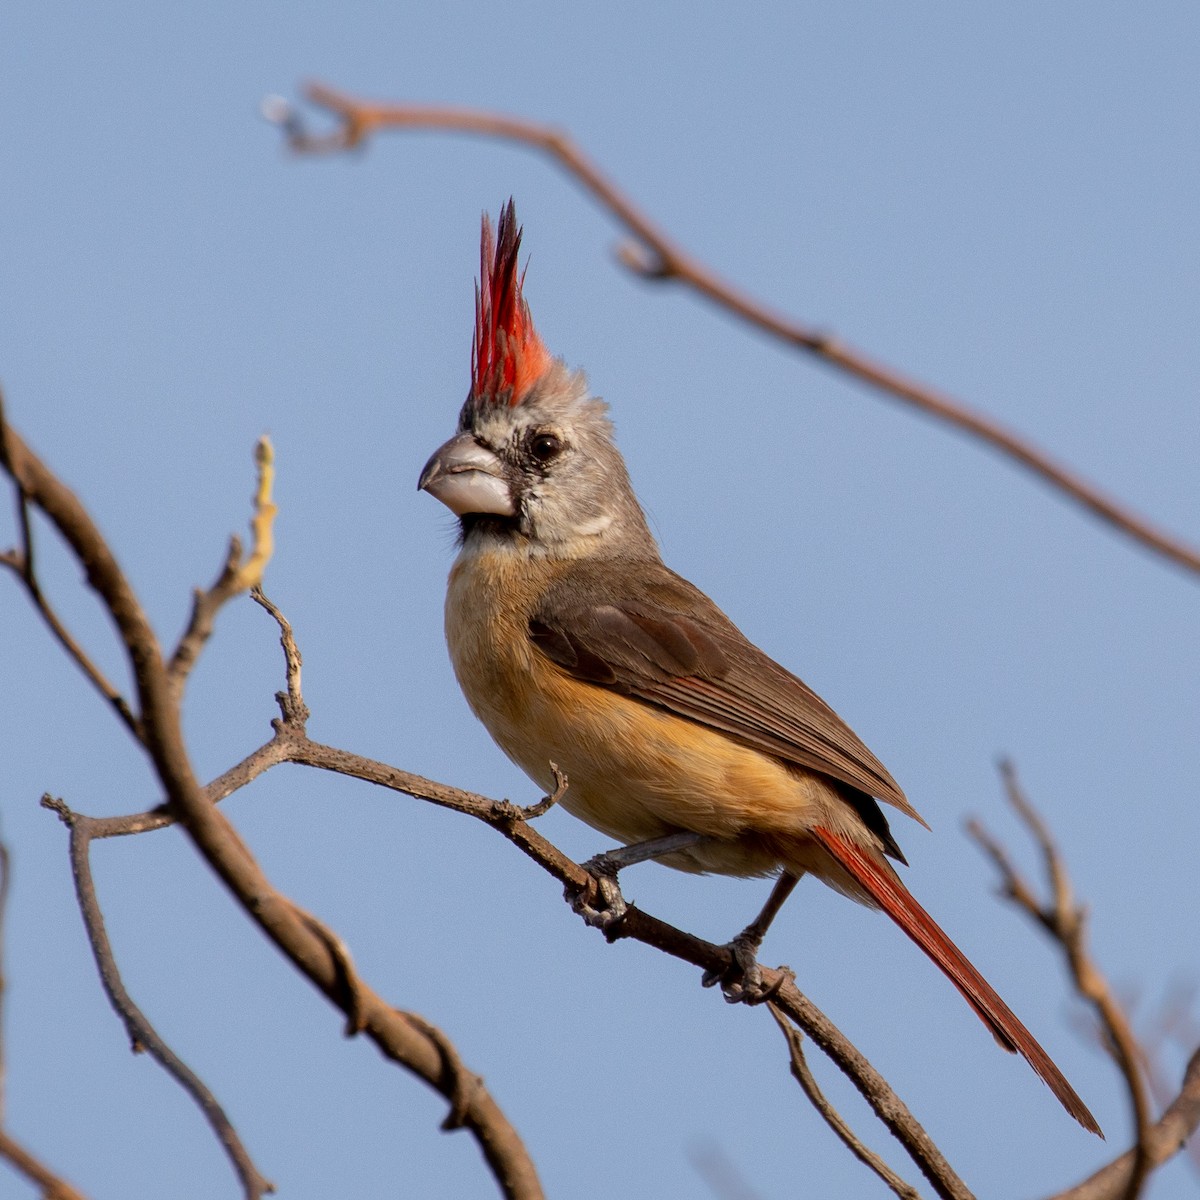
1000 200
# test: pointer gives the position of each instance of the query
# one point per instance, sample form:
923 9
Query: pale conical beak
467 478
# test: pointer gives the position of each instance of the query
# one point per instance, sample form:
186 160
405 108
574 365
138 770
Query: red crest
508 357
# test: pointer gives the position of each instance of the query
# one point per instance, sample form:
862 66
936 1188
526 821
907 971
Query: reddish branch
654 255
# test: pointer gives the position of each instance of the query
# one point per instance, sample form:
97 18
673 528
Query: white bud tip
275 109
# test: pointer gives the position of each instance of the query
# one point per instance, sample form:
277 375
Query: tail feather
882 884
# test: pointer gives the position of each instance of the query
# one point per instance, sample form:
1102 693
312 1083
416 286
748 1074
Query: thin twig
1066 923
653 255
53 1187
11 1151
291 703
23 564
5 864
218 842
804 1077
1164 1139
142 1035
236 576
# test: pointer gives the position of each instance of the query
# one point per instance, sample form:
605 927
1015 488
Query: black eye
545 446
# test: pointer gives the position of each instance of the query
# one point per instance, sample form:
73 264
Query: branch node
645 261
350 984
57 805
506 812
293 710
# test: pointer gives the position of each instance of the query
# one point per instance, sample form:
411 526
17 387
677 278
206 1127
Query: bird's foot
610 907
742 980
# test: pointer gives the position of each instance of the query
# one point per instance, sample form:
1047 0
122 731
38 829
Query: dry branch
1066 924
11 1151
1163 1140
292 744
654 255
803 1075
399 1037
52 1187
143 1037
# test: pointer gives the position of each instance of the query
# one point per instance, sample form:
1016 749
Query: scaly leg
742 979
604 868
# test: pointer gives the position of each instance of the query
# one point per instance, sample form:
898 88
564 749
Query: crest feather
507 357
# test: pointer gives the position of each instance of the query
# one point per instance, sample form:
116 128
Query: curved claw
742 980
612 907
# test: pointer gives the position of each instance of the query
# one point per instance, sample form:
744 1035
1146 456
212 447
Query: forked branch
313 950
1066 924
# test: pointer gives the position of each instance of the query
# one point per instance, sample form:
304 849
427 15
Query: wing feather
642 630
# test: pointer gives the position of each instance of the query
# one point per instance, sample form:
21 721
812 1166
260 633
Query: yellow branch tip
262 523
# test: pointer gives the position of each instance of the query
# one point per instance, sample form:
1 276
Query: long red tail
883 886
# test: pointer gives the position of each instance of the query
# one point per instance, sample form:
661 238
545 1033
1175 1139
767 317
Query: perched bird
575 645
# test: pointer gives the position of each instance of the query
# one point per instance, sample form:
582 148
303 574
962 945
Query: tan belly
634 772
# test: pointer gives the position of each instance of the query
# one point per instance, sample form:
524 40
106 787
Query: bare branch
236 576
158 688
653 255
53 1188
1163 1141
290 744
804 1077
11 1151
1066 923
142 1035
291 703
22 563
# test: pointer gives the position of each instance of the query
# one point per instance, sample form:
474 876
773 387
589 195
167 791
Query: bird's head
534 459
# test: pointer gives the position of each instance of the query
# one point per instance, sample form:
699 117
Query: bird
586 657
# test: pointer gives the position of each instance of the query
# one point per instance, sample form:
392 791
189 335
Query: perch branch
654 255
291 744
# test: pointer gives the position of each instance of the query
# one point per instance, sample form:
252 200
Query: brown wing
644 631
